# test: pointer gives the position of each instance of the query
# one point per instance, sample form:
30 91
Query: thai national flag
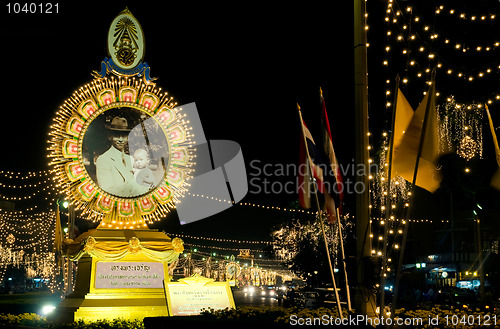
333 166
313 158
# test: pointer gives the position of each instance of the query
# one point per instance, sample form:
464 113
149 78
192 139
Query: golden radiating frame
67 133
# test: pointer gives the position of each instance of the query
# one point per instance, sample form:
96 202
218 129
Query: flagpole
320 215
414 180
58 247
364 298
343 261
328 137
388 207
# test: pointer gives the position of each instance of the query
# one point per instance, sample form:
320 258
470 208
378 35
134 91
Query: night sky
245 65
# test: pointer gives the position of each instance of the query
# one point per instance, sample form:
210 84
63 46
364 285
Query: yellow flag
404 114
405 153
494 135
495 180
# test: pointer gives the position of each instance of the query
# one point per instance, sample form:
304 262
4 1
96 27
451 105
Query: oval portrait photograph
125 152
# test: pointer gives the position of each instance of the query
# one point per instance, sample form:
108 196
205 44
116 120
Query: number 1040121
32 8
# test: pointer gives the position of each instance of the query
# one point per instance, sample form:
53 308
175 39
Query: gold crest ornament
126 49
126 41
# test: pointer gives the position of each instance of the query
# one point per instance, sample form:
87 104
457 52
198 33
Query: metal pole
64 262
388 207
414 180
364 297
320 218
348 293
452 225
71 235
480 260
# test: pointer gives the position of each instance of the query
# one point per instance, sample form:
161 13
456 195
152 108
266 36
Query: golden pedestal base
89 303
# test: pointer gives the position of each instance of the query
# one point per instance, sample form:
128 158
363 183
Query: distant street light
48 309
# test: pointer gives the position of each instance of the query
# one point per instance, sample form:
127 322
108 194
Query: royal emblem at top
125 48
126 40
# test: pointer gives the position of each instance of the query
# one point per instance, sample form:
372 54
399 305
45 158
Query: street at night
242 298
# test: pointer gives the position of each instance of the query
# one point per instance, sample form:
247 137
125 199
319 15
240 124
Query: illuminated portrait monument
122 152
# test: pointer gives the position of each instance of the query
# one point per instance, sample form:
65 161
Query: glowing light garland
421 46
461 128
219 248
399 186
27 243
184 236
34 236
288 239
399 196
472 17
419 40
223 269
20 215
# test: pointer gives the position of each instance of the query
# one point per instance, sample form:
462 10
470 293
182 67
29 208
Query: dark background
246 66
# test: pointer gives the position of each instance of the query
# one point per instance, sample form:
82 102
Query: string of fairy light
27 229
27 235
30 218
47 186
451 11
184 236
421 45
244 269
249 265
413 29
461 123
27 242
412 38
398 195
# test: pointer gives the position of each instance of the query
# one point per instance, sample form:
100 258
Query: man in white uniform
114 167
